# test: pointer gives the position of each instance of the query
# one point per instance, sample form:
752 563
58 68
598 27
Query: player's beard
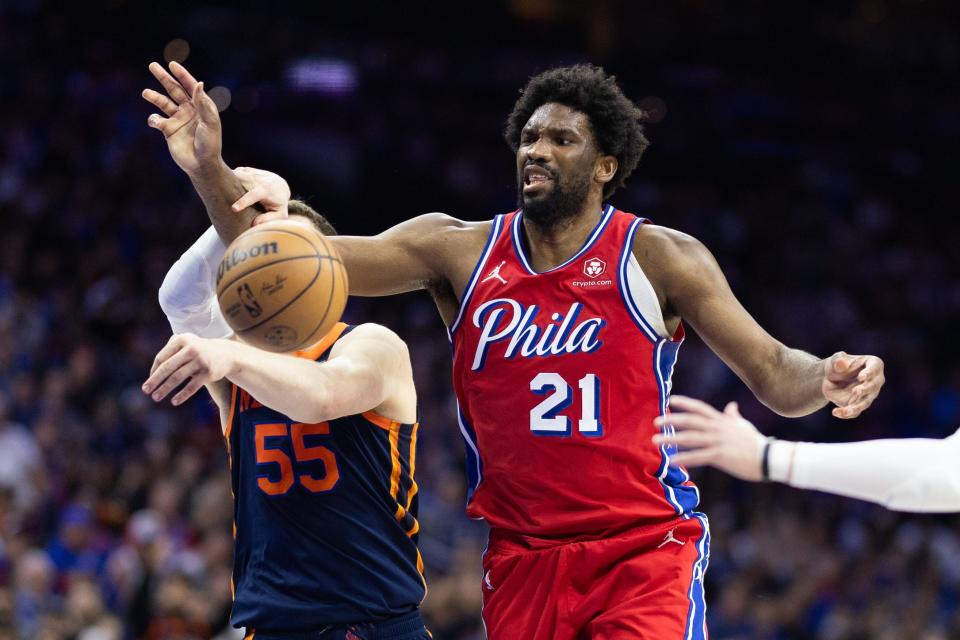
564 201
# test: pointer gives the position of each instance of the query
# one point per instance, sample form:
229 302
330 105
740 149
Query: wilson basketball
282 285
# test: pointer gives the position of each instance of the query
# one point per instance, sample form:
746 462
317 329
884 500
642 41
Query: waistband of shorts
372 630
510 542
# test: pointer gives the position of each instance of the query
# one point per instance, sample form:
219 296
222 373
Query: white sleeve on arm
187 296
917 474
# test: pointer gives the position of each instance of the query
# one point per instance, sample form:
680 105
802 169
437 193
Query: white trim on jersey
644 297
477 271
605 217
638 293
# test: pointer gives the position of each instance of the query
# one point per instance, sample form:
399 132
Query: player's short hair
617 123
300 208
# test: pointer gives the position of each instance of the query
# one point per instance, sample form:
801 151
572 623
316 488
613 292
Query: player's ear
605 169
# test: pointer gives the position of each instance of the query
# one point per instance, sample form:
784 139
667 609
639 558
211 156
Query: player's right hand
267 189
189 359
192 123
726 441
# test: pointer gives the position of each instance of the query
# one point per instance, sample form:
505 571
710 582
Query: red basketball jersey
559 376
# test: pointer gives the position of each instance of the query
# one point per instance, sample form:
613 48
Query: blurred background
811 146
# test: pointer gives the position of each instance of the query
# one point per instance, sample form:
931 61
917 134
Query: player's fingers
686 403
690 459
158 122
267 217
250 198
177 377
160 374
841 362
872 368
205 105
686 421
160 101
183 76
187 392
853 410
174 344
686 439
169 83
733 410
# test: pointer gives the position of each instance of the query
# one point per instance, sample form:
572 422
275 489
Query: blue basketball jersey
324 514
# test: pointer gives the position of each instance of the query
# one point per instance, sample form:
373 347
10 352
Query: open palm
192 123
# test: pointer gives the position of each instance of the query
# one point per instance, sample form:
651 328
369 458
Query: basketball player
915 474
322 454
565 321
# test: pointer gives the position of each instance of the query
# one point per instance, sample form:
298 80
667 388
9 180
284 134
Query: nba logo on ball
594 267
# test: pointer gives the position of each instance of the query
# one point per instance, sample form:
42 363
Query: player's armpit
220 394
405 257
691 284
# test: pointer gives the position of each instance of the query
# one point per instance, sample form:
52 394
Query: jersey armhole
231 414
639 296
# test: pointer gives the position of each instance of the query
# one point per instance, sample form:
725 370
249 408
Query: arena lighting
221 97
327 76
177 49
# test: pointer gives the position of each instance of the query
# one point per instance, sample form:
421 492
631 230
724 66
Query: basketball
281 285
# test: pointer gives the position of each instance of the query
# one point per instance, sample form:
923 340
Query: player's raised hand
852 383
705 436
267 189
191 124
191 359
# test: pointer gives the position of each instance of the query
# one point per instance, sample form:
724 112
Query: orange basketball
282 285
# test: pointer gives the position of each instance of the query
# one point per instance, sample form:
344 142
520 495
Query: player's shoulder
451 228
658 243
367 333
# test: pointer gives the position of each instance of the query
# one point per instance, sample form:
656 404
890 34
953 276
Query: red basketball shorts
644 584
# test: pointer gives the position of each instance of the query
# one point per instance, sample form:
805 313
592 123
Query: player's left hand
192 125
852 383
266 189
726 441
187 357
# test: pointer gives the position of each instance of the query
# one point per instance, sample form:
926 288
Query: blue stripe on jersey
696 628
477 271
474 463
685 497
605 217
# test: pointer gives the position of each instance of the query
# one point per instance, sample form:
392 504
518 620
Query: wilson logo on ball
594 267
237 256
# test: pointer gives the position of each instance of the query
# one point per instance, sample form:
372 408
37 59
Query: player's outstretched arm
192 129
789 381
368 370
406 257
401 259
921 475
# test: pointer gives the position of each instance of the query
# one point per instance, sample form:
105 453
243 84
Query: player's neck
552 244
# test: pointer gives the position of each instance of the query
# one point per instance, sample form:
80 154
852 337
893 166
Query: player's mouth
535 178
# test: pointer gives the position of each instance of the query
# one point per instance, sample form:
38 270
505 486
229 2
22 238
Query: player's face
555 163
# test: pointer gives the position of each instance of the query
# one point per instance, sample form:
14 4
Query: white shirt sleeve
187 293
917 474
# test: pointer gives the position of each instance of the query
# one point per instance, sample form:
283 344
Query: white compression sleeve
186 295
917 474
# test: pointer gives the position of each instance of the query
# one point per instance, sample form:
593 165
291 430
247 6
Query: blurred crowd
812 155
